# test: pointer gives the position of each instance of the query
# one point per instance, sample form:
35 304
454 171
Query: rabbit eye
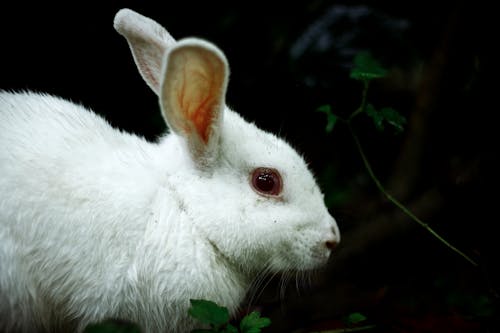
266 181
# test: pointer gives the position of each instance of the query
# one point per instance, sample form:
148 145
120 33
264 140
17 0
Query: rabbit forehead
246 147
246 144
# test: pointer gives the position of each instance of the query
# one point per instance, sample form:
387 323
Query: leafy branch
365 69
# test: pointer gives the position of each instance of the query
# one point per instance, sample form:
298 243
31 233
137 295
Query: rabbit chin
285 257
299 259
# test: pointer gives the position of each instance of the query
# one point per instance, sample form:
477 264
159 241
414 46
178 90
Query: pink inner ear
202 116
198 99
193 91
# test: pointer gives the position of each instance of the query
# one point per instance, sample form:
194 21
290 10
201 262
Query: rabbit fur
96 223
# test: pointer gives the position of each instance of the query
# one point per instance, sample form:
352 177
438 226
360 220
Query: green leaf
330 117
253 322
355 318
230 329
366 67
394 118
377 117
327 108
202 331
208 312
389 115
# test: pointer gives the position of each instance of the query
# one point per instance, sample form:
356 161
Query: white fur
96 223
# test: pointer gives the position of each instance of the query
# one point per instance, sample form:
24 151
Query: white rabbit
96 223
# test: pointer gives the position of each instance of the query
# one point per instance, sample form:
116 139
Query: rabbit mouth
303 257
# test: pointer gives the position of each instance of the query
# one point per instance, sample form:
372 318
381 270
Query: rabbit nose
331 244
334 238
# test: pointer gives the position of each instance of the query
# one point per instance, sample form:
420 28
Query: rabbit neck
209 273
175 263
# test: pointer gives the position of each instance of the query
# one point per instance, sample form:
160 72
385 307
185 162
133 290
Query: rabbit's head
245 191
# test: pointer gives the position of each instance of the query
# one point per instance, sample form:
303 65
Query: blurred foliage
331 118
354 318
113 326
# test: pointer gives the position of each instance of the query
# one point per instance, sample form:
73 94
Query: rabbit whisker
285 279
258 284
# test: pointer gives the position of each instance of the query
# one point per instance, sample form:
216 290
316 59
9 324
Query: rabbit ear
192 99
148 42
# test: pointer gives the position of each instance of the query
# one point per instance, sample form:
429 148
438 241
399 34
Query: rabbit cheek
320 252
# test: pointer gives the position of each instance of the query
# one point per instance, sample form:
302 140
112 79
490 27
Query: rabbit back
57 152
73 194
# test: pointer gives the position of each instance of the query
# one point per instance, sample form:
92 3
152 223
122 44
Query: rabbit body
90 225
96 223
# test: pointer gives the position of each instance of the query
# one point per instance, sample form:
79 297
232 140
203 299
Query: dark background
287 59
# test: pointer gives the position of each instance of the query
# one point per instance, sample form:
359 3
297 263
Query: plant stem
396 202
362 107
